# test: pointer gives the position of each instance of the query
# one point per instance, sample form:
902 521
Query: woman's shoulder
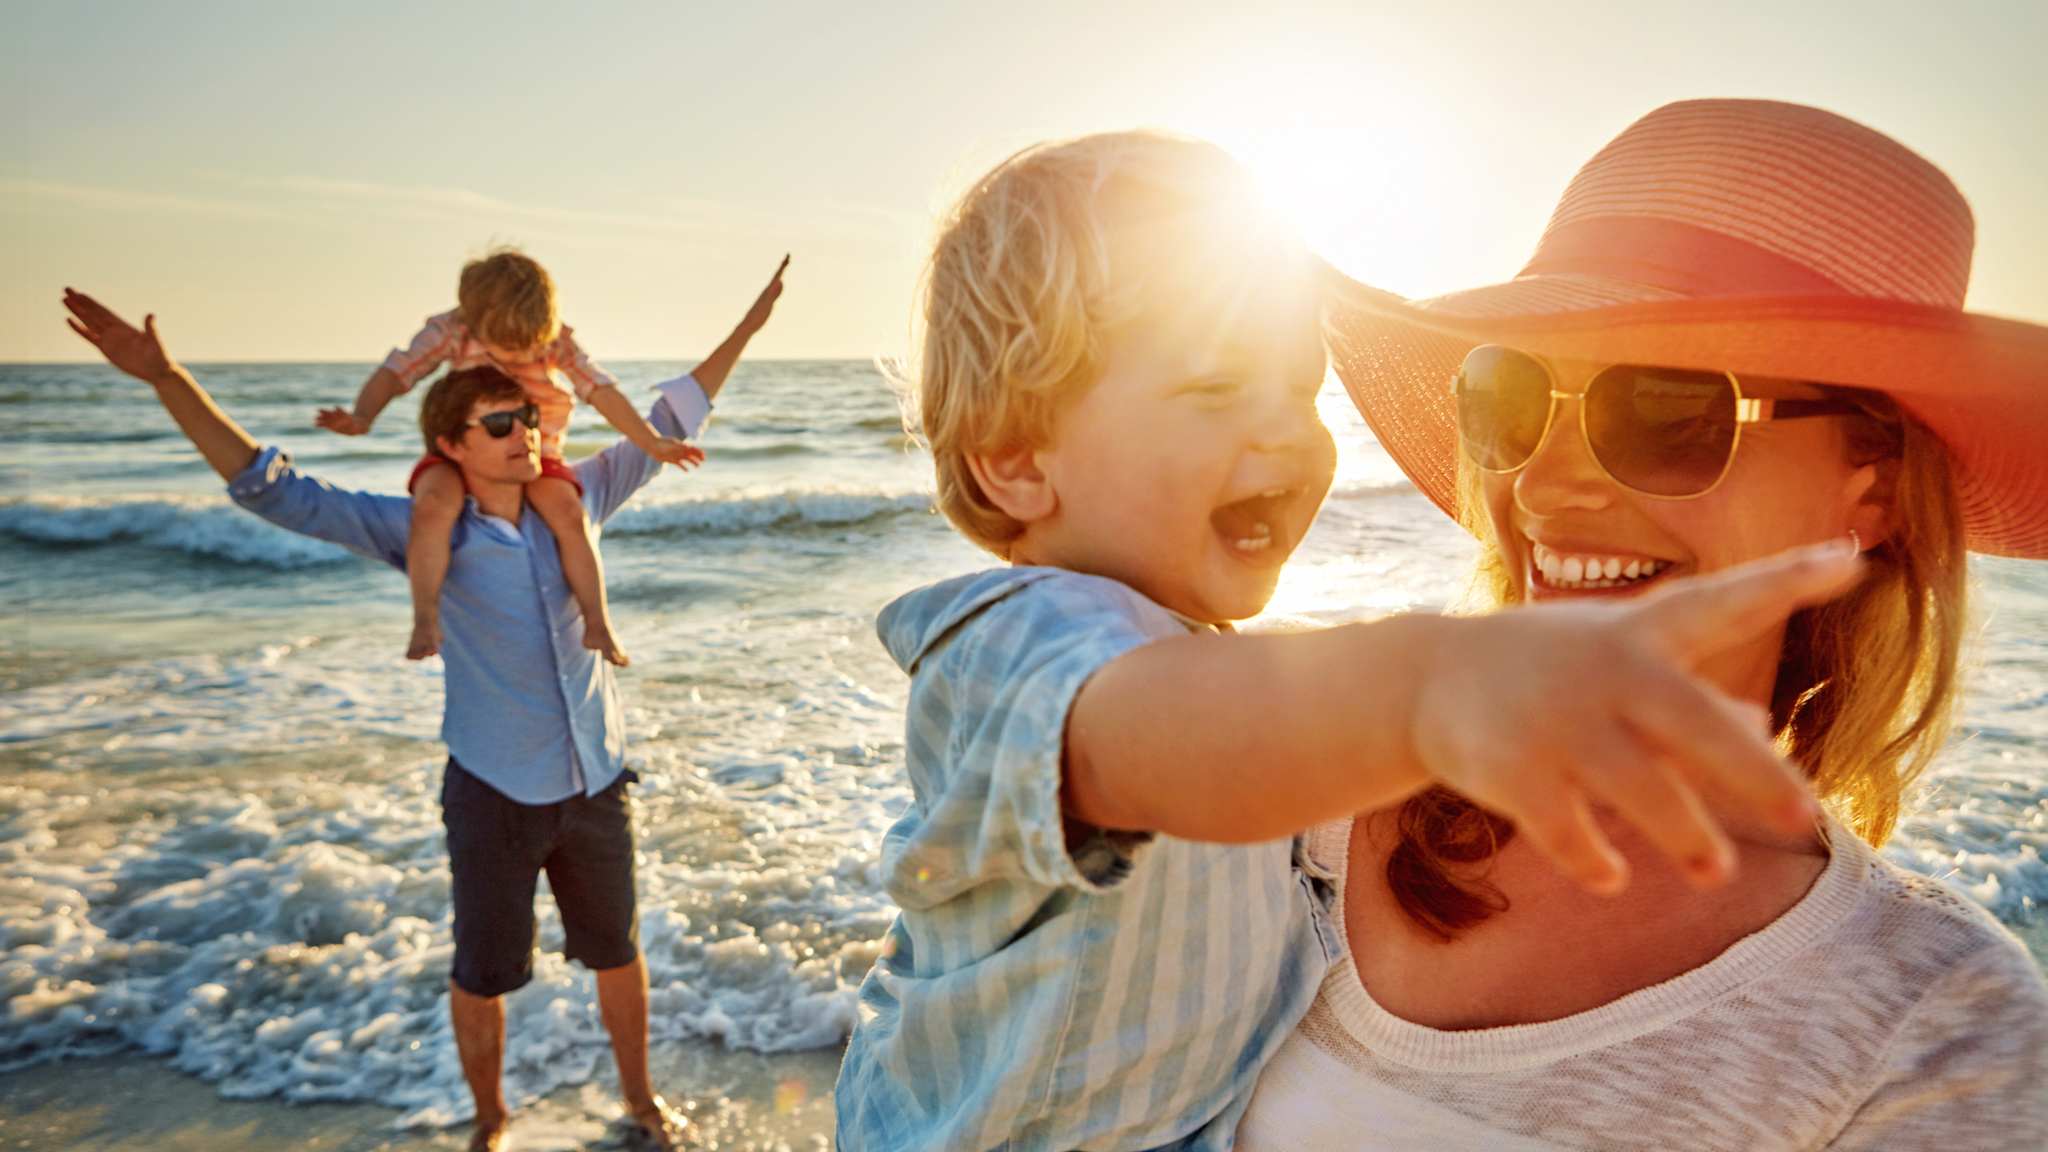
1965 1014
1954 950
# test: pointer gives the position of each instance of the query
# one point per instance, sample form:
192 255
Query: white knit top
1882 1011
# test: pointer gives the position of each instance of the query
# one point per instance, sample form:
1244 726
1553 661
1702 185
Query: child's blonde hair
508 300
1053 248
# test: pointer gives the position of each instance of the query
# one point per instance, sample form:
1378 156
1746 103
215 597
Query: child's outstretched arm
404 367
379 391
1535 713
620 414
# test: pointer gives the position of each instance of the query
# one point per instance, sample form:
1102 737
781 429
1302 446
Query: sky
304 181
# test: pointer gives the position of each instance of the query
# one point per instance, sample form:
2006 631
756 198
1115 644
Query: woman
1744 251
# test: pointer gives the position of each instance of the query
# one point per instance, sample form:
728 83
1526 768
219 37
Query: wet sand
738 1101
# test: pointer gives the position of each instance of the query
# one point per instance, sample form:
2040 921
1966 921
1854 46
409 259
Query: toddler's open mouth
1264 528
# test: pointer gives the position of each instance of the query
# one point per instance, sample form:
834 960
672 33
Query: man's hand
670 450
140 353
764 304
137 351
342 422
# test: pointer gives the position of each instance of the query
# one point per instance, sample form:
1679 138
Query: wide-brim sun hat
1749 236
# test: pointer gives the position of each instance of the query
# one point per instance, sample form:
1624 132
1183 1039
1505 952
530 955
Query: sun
1340 157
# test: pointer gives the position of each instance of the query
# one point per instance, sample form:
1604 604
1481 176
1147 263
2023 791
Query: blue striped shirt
1119 994
529 710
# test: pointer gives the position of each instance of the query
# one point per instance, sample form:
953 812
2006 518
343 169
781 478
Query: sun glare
1341 155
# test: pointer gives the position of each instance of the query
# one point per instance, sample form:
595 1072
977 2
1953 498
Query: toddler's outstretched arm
378 391
620 414
1535 713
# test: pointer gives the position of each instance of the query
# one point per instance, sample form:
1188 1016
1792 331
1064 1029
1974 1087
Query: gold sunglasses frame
1748 410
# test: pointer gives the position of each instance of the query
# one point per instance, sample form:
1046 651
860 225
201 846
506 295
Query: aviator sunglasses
499 424
1664 432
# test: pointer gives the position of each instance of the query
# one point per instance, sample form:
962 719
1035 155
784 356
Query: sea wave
214 530
756 511
209 530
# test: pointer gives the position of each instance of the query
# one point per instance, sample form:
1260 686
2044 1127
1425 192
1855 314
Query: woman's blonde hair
1866 688
1031 267
508 300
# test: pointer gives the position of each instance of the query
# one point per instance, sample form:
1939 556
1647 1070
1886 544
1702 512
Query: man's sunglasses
1664 432
499 424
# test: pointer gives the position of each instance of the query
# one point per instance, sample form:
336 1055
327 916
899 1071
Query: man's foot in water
660 1125
489 1137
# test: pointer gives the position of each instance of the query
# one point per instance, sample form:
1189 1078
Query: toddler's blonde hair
508 300
1035 263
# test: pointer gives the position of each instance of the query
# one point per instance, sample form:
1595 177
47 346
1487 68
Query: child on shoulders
506 317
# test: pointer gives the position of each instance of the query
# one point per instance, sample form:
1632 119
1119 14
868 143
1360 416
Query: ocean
220 845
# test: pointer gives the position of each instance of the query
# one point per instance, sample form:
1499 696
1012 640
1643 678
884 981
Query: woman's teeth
1261 538
1592 571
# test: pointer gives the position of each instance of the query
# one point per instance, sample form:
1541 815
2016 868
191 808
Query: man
536 775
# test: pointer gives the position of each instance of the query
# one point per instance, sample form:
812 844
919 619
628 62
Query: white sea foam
285 933
1983 830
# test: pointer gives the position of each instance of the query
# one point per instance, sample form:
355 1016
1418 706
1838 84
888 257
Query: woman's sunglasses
499 424
1664 432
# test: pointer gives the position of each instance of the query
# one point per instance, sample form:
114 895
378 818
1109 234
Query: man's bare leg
622 1001
436 504
480 1040
561 509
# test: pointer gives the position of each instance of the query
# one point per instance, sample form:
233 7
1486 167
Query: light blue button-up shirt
529 710
1117 993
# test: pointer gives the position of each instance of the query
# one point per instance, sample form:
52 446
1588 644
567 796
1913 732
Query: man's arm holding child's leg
140 353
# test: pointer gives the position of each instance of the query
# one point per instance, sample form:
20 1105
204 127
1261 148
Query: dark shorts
497 849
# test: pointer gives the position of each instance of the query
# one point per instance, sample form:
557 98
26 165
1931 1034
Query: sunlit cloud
306 198
31 194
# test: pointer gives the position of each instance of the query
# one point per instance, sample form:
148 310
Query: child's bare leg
562 510
436 502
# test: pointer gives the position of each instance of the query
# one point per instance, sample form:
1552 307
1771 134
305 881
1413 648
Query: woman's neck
1558 950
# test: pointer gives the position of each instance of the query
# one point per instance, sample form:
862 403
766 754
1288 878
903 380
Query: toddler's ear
1015 483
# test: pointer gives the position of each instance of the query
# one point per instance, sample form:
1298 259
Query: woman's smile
1579 569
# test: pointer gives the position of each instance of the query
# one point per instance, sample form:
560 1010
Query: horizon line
235 363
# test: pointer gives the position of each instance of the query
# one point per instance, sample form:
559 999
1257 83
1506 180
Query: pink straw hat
1754 237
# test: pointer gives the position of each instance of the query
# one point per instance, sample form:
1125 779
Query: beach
223 889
